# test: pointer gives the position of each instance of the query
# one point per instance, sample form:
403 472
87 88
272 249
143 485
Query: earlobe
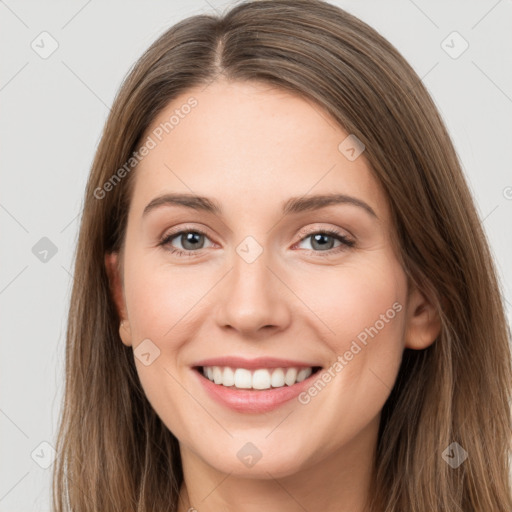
116 291
423 322
125 333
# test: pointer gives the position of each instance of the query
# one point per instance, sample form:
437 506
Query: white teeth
228 378
304 373
262 378
243 379
277 379
291 376
217 375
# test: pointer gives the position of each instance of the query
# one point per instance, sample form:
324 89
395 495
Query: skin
251 147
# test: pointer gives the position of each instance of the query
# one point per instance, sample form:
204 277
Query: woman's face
286 265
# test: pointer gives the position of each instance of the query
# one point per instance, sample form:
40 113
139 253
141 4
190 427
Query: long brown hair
115 454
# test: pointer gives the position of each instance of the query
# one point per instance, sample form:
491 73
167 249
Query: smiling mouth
256 379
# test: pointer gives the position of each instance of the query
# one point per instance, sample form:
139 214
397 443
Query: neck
340 482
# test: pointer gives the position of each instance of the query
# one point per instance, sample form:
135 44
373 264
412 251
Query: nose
253 300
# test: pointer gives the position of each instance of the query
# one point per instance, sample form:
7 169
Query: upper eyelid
339 231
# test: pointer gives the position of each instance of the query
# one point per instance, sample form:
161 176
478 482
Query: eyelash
346 243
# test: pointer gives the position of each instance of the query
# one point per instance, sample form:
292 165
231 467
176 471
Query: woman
337 339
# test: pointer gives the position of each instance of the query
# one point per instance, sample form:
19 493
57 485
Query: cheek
352 300
161 301
364 310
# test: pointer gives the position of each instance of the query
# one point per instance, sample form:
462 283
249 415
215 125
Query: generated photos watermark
150 143
361 341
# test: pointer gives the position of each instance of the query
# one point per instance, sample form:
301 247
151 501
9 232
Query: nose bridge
252 297
250 267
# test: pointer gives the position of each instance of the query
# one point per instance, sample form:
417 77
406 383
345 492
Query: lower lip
253 401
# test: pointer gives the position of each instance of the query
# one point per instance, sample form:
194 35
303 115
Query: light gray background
52 115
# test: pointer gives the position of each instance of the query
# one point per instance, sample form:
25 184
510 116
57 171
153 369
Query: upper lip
258 362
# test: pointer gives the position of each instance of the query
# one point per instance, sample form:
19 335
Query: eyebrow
291 206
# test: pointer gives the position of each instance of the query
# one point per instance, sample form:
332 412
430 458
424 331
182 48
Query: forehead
249 143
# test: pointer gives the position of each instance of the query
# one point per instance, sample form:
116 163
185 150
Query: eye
323 241
191 240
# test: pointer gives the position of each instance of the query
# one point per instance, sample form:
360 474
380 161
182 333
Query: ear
116 290
423 322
